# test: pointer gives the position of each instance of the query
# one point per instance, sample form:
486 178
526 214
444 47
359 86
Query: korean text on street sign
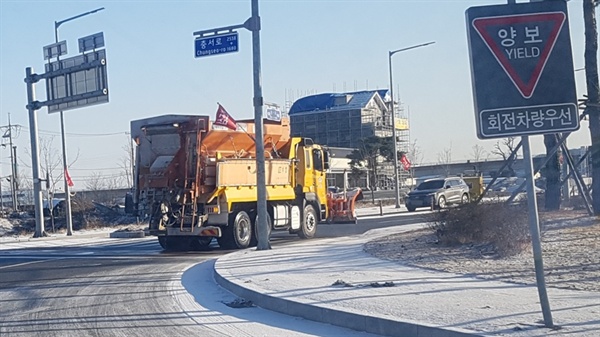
522 69
216 44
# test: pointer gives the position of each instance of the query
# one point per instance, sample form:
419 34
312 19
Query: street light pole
62 130
394 140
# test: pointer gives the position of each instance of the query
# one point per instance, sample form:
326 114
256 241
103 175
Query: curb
127 235
360 322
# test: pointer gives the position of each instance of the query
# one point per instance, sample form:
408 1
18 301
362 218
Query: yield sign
521 44
522 69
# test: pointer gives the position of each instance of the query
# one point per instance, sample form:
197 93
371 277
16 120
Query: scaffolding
345 125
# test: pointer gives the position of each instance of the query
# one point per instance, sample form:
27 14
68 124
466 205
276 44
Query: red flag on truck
224 118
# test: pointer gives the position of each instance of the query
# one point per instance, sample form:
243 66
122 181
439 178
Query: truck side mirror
326 159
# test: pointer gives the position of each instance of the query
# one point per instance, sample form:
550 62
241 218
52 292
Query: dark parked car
438 193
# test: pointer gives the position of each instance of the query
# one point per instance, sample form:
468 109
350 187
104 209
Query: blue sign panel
216 44
522 69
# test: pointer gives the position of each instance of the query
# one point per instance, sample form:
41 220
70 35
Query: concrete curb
127 235
360 322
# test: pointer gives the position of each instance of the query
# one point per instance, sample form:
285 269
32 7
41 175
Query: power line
95 169
56 133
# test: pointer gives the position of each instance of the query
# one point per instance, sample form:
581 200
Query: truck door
319 178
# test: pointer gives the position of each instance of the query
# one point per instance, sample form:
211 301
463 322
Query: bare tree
504 149
592 109
478 153
415 155
51 164
444 159
114 182
126 163
25 188
95 182
551 172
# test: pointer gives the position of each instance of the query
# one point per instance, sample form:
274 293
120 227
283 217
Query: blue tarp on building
324 102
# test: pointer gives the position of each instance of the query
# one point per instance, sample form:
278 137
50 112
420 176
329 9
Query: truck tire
162 241
238 232
201 242
174 243
308 228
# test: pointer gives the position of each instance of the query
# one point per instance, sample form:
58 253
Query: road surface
112 287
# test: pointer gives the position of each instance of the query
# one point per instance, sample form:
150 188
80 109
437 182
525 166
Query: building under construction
342 120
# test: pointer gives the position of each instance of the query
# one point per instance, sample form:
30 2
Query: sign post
253 25
523 84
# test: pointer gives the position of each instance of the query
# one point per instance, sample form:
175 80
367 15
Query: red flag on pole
405 162
68 178
224 119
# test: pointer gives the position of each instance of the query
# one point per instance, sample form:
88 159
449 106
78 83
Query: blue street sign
216 44
522 69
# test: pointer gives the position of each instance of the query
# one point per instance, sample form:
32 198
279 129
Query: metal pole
394 140
261 188
35 156
535 234
67 188
68 214
16 178
13 185
1 199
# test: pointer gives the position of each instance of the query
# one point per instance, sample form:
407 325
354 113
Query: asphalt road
121 288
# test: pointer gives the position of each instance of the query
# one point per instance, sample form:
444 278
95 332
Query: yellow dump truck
195 181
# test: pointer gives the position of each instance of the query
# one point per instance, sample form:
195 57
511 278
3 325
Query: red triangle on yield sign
521 44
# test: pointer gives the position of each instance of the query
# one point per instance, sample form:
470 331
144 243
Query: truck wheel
174 243
308 228
201 242
238 232
254 240
411 208
162 240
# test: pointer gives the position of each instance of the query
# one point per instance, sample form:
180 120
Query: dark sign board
216 44
522 69
76 82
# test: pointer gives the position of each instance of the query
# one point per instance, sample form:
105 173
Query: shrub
503 226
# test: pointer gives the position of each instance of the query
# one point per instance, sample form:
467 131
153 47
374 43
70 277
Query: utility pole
1 198
14 186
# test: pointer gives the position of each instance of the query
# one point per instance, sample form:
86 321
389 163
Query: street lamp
62 129
394 140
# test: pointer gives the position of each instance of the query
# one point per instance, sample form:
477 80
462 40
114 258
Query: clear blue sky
307 47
